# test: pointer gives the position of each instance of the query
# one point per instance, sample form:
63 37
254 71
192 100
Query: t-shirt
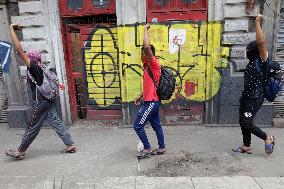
149 88
37 73
254 79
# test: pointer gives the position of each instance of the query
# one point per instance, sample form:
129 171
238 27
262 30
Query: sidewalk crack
61 187
257 182
192 182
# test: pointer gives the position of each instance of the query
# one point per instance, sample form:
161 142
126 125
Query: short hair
152 49
252 46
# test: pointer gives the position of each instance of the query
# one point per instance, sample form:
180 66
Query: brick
234 11
237 11
236 1
34 20
238 38
40 45
240 64
236 25
278 122
238 52
34 33
30 7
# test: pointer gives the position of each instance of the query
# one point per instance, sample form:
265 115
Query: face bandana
145 61
34 55
252 51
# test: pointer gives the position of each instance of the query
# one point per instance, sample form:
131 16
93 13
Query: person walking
253 94
42 109
149 111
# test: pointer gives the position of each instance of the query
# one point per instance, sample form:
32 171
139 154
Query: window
75 4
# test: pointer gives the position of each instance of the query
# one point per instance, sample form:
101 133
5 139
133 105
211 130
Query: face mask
145 61
253 54
252 51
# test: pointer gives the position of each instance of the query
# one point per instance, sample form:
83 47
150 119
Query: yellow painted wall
202 81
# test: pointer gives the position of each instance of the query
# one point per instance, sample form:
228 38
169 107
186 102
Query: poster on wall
177 38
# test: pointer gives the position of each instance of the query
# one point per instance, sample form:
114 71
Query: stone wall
41 30
239 30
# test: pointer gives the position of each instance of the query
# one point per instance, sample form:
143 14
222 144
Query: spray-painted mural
102 67
192 50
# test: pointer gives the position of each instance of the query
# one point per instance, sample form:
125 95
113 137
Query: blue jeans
44 110
149 112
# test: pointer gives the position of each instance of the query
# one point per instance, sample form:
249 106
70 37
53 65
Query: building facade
95 47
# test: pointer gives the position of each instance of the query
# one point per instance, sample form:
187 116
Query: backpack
271 85
272 88
49 88
166 86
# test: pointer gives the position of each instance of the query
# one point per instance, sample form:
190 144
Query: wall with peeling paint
239 30
113 66
208 85
194 64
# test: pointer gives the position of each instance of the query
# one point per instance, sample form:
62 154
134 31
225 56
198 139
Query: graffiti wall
193 51
102 67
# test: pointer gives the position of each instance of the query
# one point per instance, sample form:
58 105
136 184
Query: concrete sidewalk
106 156
240 182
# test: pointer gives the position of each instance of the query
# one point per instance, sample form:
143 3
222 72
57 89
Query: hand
138 101
15 25
61 86
147 26
259 18
250 6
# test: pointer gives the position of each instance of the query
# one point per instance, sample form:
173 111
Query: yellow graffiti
102 70
194 63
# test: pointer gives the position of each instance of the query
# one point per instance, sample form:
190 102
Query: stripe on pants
146 113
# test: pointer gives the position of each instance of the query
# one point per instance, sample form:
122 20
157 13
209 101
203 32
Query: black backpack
166 86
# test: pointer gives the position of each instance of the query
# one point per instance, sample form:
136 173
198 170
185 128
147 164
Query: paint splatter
189 88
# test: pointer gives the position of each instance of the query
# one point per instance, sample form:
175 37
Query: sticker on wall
101 3
177 38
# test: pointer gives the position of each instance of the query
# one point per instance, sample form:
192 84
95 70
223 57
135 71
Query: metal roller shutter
3 99
279 102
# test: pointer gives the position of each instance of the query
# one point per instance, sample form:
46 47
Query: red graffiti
178 95
175 40
189 88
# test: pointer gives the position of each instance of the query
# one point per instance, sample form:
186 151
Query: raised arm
18 45
146 44
260 38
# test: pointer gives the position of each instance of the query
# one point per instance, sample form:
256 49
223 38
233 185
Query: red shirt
149 88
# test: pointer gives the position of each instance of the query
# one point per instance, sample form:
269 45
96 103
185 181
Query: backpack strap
34 81
258 66
151 75
264 69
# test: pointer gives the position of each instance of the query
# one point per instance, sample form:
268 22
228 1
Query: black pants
248 110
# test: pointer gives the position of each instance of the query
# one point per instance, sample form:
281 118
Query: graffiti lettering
113 65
